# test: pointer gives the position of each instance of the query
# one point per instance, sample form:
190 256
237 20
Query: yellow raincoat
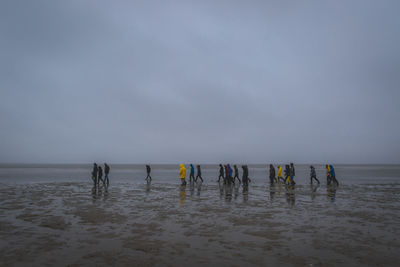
280 172
182 171
328 170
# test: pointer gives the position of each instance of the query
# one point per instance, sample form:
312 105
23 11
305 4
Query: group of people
227 174
97 174
289 174
182 174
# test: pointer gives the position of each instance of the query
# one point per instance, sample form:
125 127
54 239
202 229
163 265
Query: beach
53 215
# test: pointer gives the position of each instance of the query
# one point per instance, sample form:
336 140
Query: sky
199 81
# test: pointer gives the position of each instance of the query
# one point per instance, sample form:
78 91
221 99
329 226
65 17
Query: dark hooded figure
272 177
199 173
245 175
236 173
226 174
230 180
94 173
221 172
191 176
106 172
100 175
287 174
292 173
148 170
313 174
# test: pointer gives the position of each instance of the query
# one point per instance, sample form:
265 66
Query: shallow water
52 215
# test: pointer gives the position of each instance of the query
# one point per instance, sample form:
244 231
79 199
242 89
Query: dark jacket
221 169
332 171
236 170
313 174
100 172
229 170
148 169
198 170
95 169
106 169
292 172
191 169
271 172
245 172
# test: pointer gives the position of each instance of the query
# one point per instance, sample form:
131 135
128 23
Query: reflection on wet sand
99 192
148 186
199 184
221 189
228 192
290 195
236 187
182 194
331 192
245 193
159 231
191 187
271 192
313 190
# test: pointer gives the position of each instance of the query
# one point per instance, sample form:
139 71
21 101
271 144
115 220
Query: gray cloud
172 81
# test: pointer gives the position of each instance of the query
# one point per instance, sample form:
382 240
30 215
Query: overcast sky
199 81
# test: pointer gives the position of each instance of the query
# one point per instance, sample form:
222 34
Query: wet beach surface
59 221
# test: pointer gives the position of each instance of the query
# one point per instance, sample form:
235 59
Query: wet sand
158 224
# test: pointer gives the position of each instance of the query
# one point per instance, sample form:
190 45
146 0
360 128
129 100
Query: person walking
230 171
106 172
191 175
313 174
182 174
94 173
292 173
333 175
287 174
148 170
272 177
245 175
221 173
100 175
328 174
236 174
226 173
199 173
280 177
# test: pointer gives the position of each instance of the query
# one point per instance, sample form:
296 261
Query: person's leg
316 179
334 180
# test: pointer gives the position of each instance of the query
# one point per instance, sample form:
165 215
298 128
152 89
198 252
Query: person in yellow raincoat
280 177
182 173
328 174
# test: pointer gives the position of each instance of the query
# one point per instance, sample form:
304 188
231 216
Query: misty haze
201 133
